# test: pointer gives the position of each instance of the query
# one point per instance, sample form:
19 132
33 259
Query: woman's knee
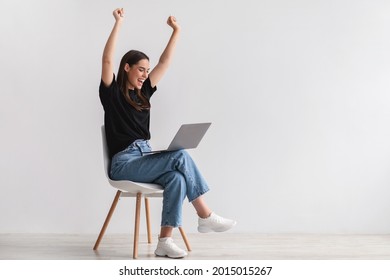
181 154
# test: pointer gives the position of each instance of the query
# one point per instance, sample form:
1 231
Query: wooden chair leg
108 218
147 210
183 234
136 226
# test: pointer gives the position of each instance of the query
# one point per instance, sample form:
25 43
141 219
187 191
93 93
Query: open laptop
187 137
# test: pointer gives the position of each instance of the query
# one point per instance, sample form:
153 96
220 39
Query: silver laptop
187 137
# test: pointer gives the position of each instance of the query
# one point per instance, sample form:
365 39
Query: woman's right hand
119 14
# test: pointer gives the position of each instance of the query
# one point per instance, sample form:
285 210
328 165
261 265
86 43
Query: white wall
298 93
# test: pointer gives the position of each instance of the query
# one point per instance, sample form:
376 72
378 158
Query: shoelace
218 219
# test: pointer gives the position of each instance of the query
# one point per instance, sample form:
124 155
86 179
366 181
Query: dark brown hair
132 57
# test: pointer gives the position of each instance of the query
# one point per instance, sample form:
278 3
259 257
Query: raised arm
109 49
166 57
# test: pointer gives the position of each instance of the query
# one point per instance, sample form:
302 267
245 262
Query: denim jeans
175 171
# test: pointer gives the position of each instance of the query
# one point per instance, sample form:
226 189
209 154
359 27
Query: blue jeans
175 171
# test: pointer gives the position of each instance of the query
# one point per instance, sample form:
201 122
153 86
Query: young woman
125 99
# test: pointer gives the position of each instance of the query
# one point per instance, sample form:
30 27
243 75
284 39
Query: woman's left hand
173 23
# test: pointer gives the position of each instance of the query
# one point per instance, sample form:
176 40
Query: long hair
132 57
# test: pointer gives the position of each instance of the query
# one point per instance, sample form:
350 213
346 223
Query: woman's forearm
166 56
109 49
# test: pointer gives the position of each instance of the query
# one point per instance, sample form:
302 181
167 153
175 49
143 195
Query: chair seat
146 189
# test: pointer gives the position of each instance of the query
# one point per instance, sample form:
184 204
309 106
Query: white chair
132 189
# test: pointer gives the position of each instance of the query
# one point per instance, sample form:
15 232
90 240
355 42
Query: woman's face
137 74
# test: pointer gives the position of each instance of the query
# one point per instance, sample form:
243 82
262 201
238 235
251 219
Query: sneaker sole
202 229
167 256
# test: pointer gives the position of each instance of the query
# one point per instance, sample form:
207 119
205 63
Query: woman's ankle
166 232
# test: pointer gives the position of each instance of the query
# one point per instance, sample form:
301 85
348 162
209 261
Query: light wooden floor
230 246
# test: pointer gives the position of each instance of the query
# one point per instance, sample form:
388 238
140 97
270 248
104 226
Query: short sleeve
147 88
105 92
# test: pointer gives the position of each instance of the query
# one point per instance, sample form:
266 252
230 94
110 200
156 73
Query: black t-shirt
123 123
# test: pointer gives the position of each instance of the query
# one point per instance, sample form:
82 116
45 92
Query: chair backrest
106 156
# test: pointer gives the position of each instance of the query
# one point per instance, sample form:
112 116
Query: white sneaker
215 223
167 248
